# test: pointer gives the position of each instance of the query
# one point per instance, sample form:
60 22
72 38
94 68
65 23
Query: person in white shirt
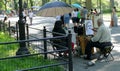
74 17
24 15
31 16
114 17
101 39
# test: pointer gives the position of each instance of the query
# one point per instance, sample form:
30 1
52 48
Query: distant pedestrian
74 17
114 17
84 13
5 19
95 11
24 15
59 31
31 16
66 20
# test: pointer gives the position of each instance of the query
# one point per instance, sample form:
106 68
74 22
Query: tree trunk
5 6
88 4
43 2
111 3
15 6
31 2
70 1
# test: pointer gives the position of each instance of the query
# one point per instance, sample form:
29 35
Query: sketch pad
89 27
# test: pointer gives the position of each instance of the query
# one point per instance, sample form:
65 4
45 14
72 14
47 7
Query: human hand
88 38
94 29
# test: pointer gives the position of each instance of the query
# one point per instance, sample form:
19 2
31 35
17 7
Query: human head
91 9
5 18
58 24
95 9
100 21
74 9
77 9
114 8
84 7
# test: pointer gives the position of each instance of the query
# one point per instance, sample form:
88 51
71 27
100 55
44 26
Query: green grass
7 49
27 62
21 63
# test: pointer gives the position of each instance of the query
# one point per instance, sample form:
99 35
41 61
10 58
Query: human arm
97 36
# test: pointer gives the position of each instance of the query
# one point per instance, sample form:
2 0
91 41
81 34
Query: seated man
59 31
101 39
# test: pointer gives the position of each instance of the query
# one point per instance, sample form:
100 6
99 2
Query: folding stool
107 52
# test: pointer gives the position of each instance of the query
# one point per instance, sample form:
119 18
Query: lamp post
21 23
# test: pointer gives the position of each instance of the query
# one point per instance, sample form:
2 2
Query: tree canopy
13 4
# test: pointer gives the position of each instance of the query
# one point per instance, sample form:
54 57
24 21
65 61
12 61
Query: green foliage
15 5
107 11
7 49
1 5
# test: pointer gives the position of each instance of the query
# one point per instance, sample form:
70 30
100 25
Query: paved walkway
79 63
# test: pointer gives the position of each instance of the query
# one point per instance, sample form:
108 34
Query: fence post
1 25
45 42
9 28
17 30
69 44
27 30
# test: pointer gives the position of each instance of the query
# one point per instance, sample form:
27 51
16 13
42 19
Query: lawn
14 64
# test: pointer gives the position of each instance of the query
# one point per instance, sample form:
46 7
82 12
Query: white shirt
74 14
24 14
31 14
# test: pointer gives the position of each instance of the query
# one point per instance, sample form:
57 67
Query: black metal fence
7 27
42 57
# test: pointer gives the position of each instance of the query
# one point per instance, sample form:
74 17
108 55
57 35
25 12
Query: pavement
79 64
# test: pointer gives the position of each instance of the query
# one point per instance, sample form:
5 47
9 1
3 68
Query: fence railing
7 27
42 57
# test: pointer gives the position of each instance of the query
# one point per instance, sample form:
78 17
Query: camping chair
54 48
106 52
63 53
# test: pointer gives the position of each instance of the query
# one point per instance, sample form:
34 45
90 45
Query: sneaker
91 63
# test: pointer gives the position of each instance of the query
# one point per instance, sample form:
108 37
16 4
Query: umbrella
76 5
55 8
35 6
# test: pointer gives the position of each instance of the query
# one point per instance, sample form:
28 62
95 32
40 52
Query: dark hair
77 9
84 7
115 9
58 24
91 9
95 9
5 18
